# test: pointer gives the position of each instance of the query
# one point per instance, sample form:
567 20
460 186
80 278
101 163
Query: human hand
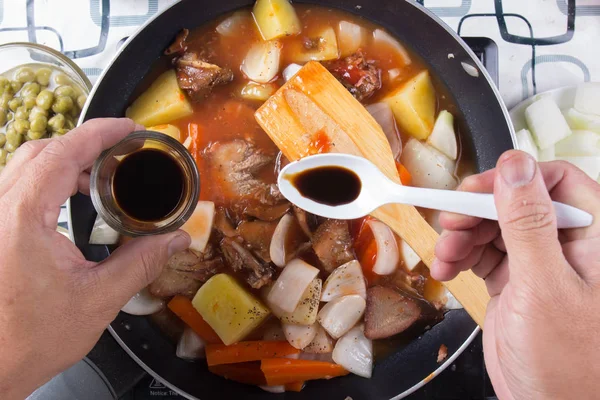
541 329
54 304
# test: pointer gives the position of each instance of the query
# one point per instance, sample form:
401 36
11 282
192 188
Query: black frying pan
485 131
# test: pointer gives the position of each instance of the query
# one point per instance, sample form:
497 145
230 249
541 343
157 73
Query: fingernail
518 170
179 243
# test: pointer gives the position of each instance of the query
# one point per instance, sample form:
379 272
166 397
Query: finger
454 245
584 257
137 263
445 271
527 220
26 152
83 183
498 278
490 259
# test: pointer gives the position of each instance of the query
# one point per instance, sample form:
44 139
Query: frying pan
485 131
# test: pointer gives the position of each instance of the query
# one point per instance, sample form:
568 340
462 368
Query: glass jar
103 196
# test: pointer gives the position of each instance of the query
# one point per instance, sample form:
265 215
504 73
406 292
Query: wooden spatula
313 105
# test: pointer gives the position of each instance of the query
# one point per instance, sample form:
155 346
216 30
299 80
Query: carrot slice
281 371
405 176
248 373
365 248
294 387
183 308
217 354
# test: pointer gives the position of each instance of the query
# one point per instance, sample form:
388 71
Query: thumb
526 218
140 261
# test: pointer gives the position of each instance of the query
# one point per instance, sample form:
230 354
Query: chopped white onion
102 233
587 98
548 154
291 284
470 69
355 352
321 343
382 37
299 336
230 25
393 73
426 167
350 37
451 302
261 63
340 315
526 143
290 71
199 226
582 121
546 122
388 255
273 389
344 280
443 137
411 259
190 345
580 143
385 118
143 303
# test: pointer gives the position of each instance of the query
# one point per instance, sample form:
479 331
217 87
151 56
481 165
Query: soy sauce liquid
148 185
331 185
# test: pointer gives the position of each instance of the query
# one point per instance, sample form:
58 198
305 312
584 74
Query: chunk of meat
172 282
332 244
270 213
388 313
242 260
223 223
198 77
179 45
361 77
258 235
308 222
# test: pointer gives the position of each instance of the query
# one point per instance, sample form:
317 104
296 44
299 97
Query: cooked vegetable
217 354
261 63
340 315
345 280
354 352
248 373
143 303
381 37
388 312
185 310
385 118
289 288
25 74
322 343
388 256
526 143
323 46
413 105
589 165
190 345
405 176
231 25
273 389
350 37
229 308
587 98
582 121
167 129
276 18
42 76
199 226
161 103
288 236
294 387
57 122
425 167
308 307
546 122
300 336
282 371
443 137
580 143
411 259
257 91
290 71
547 154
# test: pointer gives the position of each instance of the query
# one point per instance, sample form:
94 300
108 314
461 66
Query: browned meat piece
172 282
179 46
242 260
308 222
258 235
223 224
204 270
388 313
198 77
442 353
332 244
358 75
270 213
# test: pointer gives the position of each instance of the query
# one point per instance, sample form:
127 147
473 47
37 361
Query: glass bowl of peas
42 93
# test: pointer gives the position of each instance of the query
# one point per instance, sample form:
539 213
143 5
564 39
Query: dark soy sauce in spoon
330 185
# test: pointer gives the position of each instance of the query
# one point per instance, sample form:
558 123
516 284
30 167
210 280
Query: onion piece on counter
388 255
290 71
385 118
200 224
340 315
143 303
426 166
587 98
546 122
382 37
261 63
350 37
273 389
287 291
230 25
580 143
411 259
288 236
190 345
526 143
322 343
102 233
344 280
355 352
443 137
299 336
581 121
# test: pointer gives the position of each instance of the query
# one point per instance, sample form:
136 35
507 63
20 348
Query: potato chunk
161 103
276 18
228 308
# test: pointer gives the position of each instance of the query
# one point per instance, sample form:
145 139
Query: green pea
43 76
38 124
9 116
15 103
21 113
69 125
45 99
25 74
13 142
29 102
57 122
3 119
62 104
62 79
2 139
3 154
61 132
15 86
81 101
21 126
35 111
30 89
4 81
65 90
9 157
34 135
6 97
10 128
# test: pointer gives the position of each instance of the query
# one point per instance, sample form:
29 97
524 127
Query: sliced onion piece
287 237
287 291
546 122
231 25
190 345
582 121
426 167
143 303
443 137
388 255
326 48
322 343
580 143
261 63
382 37
355 352
340 315
411 259
299 336
350 37
451 302
344 280
200 224
526 143
102 233
290 71
273 389
385 118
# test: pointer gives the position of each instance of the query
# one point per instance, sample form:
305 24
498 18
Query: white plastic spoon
377 190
